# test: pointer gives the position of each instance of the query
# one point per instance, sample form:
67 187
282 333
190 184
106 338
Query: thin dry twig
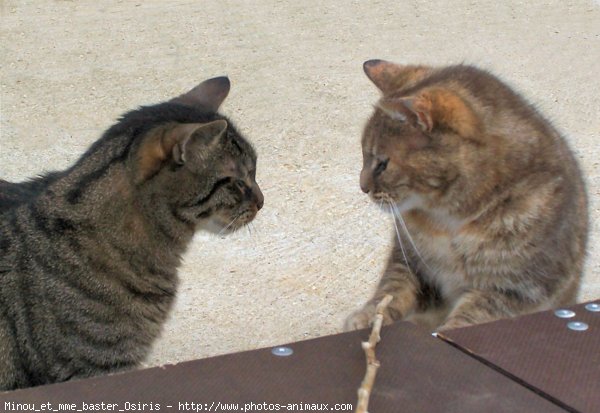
364 392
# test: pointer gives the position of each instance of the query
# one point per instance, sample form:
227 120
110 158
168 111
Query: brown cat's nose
366 180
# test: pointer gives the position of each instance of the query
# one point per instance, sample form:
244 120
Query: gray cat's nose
258 196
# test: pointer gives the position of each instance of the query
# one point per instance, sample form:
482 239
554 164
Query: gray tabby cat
89 255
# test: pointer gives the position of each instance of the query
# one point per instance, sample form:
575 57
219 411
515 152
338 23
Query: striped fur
488 200
89 255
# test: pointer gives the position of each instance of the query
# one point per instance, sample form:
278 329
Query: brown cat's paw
359 319
364 317
451 324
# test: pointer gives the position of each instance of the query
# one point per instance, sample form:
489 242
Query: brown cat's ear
396 108
389 77
435 108
209 94
417 110
175 142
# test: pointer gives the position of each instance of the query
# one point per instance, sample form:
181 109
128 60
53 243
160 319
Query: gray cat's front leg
400 283
11 372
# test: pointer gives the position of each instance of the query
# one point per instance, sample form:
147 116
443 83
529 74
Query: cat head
422 137
194 164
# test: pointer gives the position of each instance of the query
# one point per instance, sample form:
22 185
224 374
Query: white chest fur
437 240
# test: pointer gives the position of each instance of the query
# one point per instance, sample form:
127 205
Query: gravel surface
70 68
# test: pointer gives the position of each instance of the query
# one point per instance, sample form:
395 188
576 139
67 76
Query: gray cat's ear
202 135
389 77
209 94
177 142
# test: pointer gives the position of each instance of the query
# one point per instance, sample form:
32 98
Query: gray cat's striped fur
89 256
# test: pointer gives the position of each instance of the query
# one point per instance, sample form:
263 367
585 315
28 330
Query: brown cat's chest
438 252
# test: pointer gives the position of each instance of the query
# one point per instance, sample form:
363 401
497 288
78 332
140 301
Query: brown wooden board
540 350
418 373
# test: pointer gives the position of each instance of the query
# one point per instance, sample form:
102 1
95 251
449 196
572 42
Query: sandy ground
69 68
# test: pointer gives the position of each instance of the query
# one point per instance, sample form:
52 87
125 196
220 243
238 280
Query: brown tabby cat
89 256
488 201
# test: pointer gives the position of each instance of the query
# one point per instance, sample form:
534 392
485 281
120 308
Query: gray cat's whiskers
255 234
256 240
250 232
228 226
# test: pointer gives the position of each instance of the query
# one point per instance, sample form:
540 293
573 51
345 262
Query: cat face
236 197
404 165
226 166
202 172
418 141
212 180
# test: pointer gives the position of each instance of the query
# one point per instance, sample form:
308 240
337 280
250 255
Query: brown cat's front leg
476 307
400 283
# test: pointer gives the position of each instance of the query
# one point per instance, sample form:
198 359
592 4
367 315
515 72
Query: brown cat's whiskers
380 196
398 215
391 208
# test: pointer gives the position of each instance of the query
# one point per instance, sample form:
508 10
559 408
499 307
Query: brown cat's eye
381 165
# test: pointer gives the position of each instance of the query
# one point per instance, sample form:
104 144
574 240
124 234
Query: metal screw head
564 313
282 351
594 307
577 325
